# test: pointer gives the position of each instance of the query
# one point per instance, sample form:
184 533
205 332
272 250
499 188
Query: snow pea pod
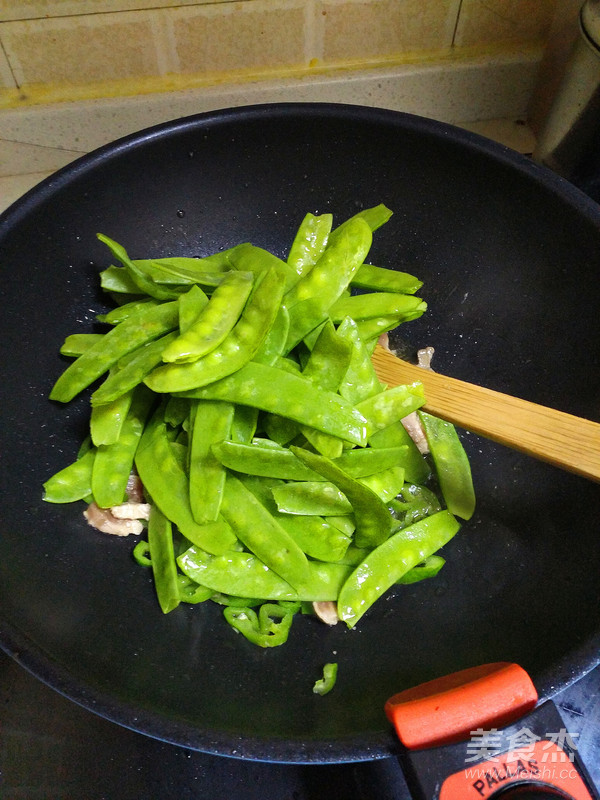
243 574
329 277
378 304
77 343
386 564
210 422
451 465
143 284
359 463
312 498
114 462
73 482
107 420
131 370
370 330
372 517
273 346
191 305
121 313
269 462
244 423
375 217
309 242
249 258
280 392
380 279
416 467
144 326
258 530
168 485
383 409
236 350
214 322
386 484
162 558
360 380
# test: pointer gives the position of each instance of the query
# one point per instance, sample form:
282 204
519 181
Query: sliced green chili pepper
451 465
162 558
141 553
390 561
191 592
310 242
215 321
280 392
149 323
261 629
373 520
235 351
325 684
73 482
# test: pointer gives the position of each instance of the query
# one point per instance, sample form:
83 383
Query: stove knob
531 791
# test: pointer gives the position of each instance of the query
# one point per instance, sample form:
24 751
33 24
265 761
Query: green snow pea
370 330
413 503
121 313
261 629
244 574
280 392
144 284
72 483
372 517
214 322
144 326
383 409
451 465
211 422
395 435
309 242
359 463
325 684
428 569
360 380
329 277
386 484
191 592
243 425
107 420
270 462
117 280
77 343
376 305
258 530
191 305
386 564
162 559
320 498
380 279
114 462
272 348
167 483
375 217
236 350
131 370
249 258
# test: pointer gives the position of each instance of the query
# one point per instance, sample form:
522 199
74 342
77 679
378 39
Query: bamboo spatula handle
561 439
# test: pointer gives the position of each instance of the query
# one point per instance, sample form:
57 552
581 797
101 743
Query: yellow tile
39 9
234 36
81 49
358 29
483 22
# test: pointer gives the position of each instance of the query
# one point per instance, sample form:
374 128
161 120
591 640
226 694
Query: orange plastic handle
448 709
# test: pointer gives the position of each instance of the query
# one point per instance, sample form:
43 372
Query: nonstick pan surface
510 259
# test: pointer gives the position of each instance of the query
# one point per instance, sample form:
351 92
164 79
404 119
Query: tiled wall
59 49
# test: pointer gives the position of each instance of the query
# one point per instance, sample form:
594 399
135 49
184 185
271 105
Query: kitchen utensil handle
562 439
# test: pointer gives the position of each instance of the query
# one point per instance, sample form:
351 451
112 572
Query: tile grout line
454 32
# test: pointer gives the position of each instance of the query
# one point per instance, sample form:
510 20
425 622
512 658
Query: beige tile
235 36
7 79
22 158
40 9
484 22
82 49
13 187
360 29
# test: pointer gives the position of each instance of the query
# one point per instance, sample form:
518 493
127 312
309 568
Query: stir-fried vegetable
239 388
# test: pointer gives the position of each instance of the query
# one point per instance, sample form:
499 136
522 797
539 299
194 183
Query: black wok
510 258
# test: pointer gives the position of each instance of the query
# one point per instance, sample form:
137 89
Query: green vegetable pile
240 388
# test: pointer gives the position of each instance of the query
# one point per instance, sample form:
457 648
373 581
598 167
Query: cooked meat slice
103 520
131 511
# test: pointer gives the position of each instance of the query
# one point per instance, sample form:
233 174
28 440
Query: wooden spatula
561 439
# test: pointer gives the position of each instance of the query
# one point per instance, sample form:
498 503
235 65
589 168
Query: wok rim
557 676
